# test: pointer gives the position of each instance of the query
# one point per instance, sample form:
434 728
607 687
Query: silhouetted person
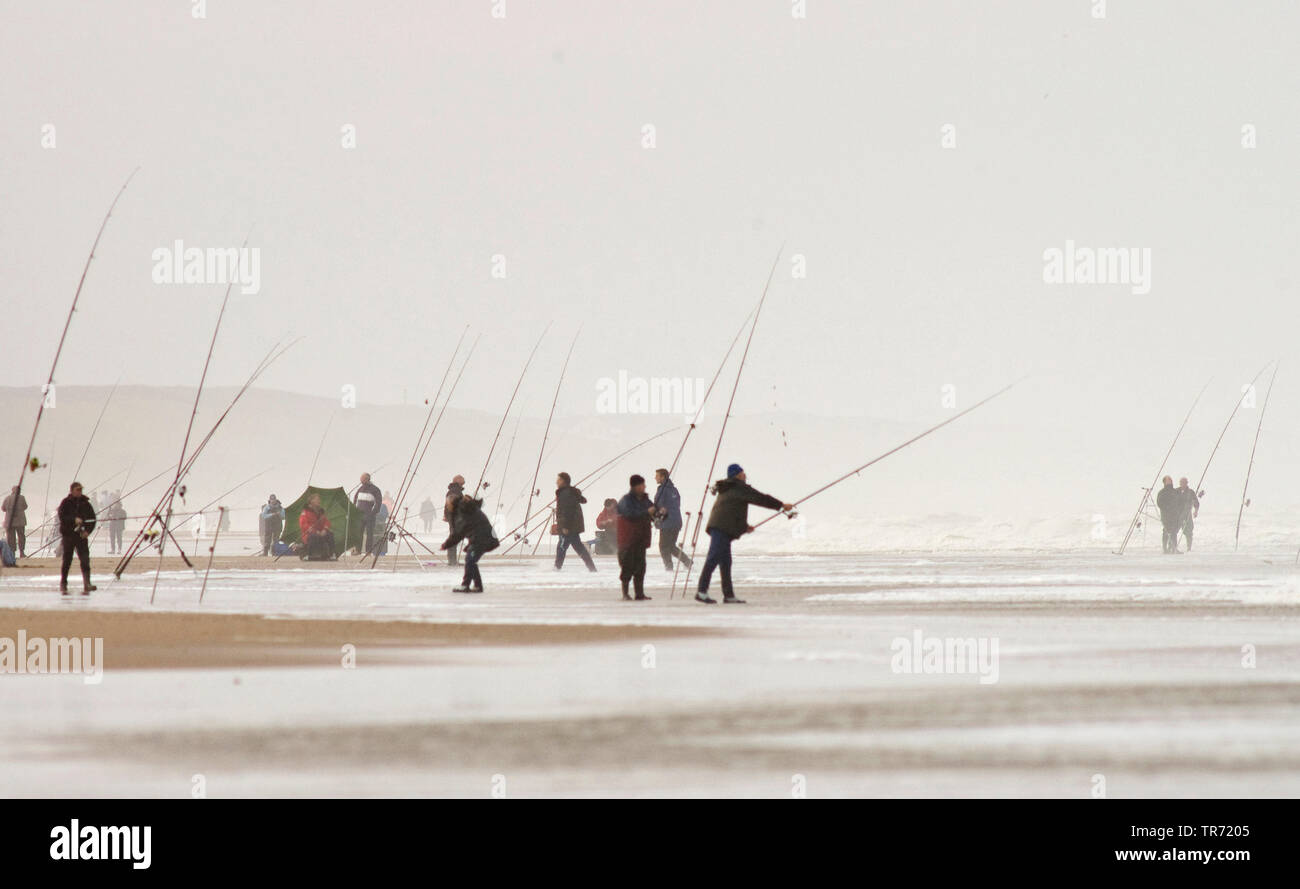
76 522
1170 504
1191 509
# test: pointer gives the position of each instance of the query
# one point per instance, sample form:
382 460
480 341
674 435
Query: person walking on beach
76 523
427 512
634 522
15 512
1170 504
668 518
454 492
468 523
272 524
367 500
1191 509
569 522
728 520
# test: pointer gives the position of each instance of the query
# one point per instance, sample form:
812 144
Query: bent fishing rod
58 352
894 450
547 430
1246 390
1236 535
506 414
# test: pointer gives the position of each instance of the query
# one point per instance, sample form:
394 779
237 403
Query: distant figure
76 522
271 523
728 520
367 500
569 522
454 492
15 510
607 529
427 513
468 523
116 516
1170 504
1191 509
634 522
223 520
668 518
317 535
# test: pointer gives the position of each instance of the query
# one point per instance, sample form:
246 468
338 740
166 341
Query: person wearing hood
569 522
469 523
76 523
454 492
728 520
634 521
668 518
272 523
1170 504
607 528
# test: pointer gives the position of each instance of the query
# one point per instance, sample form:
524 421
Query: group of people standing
631 519
1179 508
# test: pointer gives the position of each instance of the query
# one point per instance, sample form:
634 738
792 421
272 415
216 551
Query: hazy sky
523 136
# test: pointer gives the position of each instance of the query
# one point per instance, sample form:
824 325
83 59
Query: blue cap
734 470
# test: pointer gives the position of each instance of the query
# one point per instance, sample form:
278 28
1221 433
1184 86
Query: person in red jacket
634 523
317 535
607 528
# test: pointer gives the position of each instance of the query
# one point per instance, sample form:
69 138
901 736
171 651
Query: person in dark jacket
76 523
454 491
1170 504
468 523
634 521
15 510
1191 509
729 519
668 518
607 529
367 500
569 522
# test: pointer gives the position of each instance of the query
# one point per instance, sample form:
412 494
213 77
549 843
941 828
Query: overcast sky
524 137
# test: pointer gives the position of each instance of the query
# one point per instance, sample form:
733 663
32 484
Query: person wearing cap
634 520
272 523
729 519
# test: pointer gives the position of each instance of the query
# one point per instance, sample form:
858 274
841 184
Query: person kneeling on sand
468 523
317 535
634 512
729 519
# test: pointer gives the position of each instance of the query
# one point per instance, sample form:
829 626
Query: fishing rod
1236 535
270 358
893 450
579 483
519 418
547 430
428 441
189 428
1244 392
433 405
58 352
507 411
212 553
45 520
1146 492
758 311
328 424
76 472
700 410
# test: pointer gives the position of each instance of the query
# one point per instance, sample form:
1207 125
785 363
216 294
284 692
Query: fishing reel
792 514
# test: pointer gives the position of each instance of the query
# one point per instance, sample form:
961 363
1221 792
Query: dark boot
638 584
625 595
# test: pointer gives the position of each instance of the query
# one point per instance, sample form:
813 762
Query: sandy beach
549 685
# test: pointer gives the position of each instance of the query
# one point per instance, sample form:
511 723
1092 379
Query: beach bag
280 548
7 555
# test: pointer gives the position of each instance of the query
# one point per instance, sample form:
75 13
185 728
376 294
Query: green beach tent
345 519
